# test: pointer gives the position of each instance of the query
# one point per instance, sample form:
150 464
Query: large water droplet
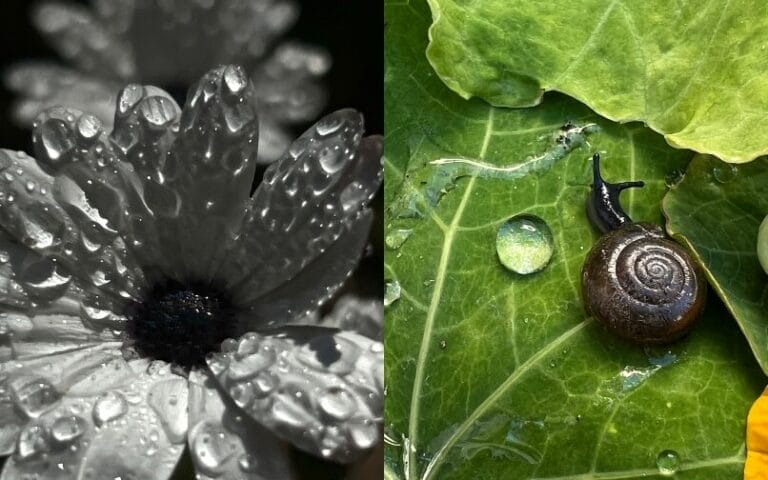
248 463
668 461
364 434
249 366
235 78
391 292
34 396
337 403
332 159
55 138
67 429
109 406
397 237
209 448
524 244
32 440
673 178
329 125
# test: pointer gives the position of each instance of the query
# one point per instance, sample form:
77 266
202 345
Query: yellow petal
756 466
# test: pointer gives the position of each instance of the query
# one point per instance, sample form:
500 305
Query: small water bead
668 462
32 440
524 244
248 463
397 237
391 292
67 429
337 403
109 406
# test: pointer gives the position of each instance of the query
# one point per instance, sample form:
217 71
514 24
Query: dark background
351 30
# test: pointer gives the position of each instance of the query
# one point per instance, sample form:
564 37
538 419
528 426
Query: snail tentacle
603 206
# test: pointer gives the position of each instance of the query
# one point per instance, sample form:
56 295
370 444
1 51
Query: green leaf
716 210
492 375
693 71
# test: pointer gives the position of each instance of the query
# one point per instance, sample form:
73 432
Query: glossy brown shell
642 286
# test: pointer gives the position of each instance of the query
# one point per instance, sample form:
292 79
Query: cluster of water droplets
68 421
309 212
324 393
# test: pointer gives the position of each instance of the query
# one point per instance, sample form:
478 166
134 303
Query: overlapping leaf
693 71
716 210
492 375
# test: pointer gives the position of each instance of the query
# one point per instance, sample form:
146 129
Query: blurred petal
287 82
120 431
45 85
318 388
211 166
364 316
305 203
273 140
73 31
225 445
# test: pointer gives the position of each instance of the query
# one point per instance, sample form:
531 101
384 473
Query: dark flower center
181 323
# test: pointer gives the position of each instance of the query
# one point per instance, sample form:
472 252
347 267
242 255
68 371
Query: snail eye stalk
603 205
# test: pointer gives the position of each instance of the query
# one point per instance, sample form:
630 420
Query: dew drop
391 292
329 125
365 434
331 159
337 403
247 463
35 397
397 237
209 449
32 440
673 178
668 462
109 406
524 244
67 429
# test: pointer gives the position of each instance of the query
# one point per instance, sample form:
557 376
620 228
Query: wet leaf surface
716 210
691 70
492 374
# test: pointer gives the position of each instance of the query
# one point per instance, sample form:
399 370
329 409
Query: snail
641 285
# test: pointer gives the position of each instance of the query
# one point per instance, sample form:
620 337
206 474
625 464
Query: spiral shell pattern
641 285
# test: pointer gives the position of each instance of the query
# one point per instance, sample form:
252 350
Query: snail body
639 284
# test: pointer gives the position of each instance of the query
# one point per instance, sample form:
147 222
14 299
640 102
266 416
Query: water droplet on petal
391 292
524 244
32 440
331 159
247 463
209 449
55 138
109 406
397 237
337 403
329 125
364 434
67 429
34 396
668 461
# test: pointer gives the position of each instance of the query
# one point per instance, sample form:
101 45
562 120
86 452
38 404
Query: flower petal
78 37
364 316
306 201
226 445
211 165
52 217
312 286
116 432
45 85
287 82
318 388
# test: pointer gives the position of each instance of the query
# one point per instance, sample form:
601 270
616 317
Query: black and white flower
149 301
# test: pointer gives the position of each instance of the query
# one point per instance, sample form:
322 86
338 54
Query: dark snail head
642 286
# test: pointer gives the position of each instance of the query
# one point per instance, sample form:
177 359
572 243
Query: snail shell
641 285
